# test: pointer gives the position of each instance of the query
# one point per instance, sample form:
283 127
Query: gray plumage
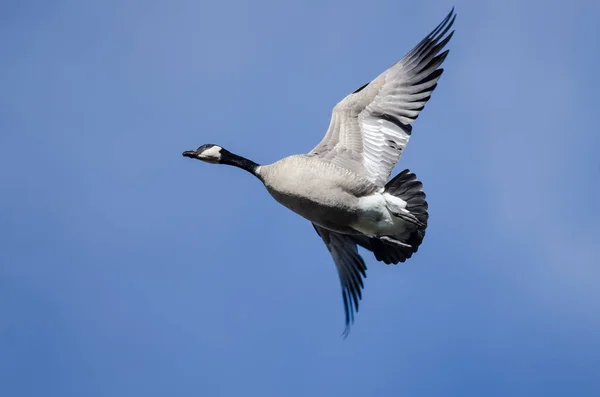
342 187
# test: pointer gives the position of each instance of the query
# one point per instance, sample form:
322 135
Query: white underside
378 218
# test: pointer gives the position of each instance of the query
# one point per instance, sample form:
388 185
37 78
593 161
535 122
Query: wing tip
346 331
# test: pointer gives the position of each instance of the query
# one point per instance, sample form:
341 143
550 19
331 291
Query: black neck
238 161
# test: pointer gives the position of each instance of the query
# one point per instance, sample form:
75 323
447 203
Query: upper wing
351 269
370 127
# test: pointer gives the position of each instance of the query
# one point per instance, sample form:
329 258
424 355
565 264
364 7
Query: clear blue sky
128 270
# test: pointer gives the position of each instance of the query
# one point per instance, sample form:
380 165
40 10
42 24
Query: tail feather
407 187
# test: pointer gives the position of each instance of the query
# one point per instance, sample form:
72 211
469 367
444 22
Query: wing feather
351 270
370 128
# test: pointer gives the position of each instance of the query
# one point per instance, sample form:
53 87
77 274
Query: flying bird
342 186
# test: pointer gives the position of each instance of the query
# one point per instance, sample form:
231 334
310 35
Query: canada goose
342 187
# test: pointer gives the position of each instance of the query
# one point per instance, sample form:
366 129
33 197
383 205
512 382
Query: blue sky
129 270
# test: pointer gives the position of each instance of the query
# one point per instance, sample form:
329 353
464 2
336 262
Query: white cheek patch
213 153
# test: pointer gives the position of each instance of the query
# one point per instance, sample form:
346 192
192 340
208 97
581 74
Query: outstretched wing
351 269
370 127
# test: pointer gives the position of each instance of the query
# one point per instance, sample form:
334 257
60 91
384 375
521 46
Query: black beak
189 153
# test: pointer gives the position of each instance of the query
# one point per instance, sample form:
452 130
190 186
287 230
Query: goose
341 186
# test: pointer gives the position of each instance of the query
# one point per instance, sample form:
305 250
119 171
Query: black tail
406 186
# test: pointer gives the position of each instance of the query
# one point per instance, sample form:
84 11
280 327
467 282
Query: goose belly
333 213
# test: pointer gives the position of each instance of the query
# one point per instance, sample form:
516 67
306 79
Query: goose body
342 186
332 197
318 190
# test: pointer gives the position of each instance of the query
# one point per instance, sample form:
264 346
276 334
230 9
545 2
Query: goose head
208 153
215 154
